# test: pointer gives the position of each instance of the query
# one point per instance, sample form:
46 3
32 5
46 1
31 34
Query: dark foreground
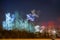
19 34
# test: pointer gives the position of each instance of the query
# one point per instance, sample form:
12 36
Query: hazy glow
37 28
30 17
15 22
42 29
8 23
53 31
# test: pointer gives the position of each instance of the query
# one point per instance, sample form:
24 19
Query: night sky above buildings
49 9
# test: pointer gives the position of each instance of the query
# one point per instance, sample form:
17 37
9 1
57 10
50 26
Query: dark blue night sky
50 9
